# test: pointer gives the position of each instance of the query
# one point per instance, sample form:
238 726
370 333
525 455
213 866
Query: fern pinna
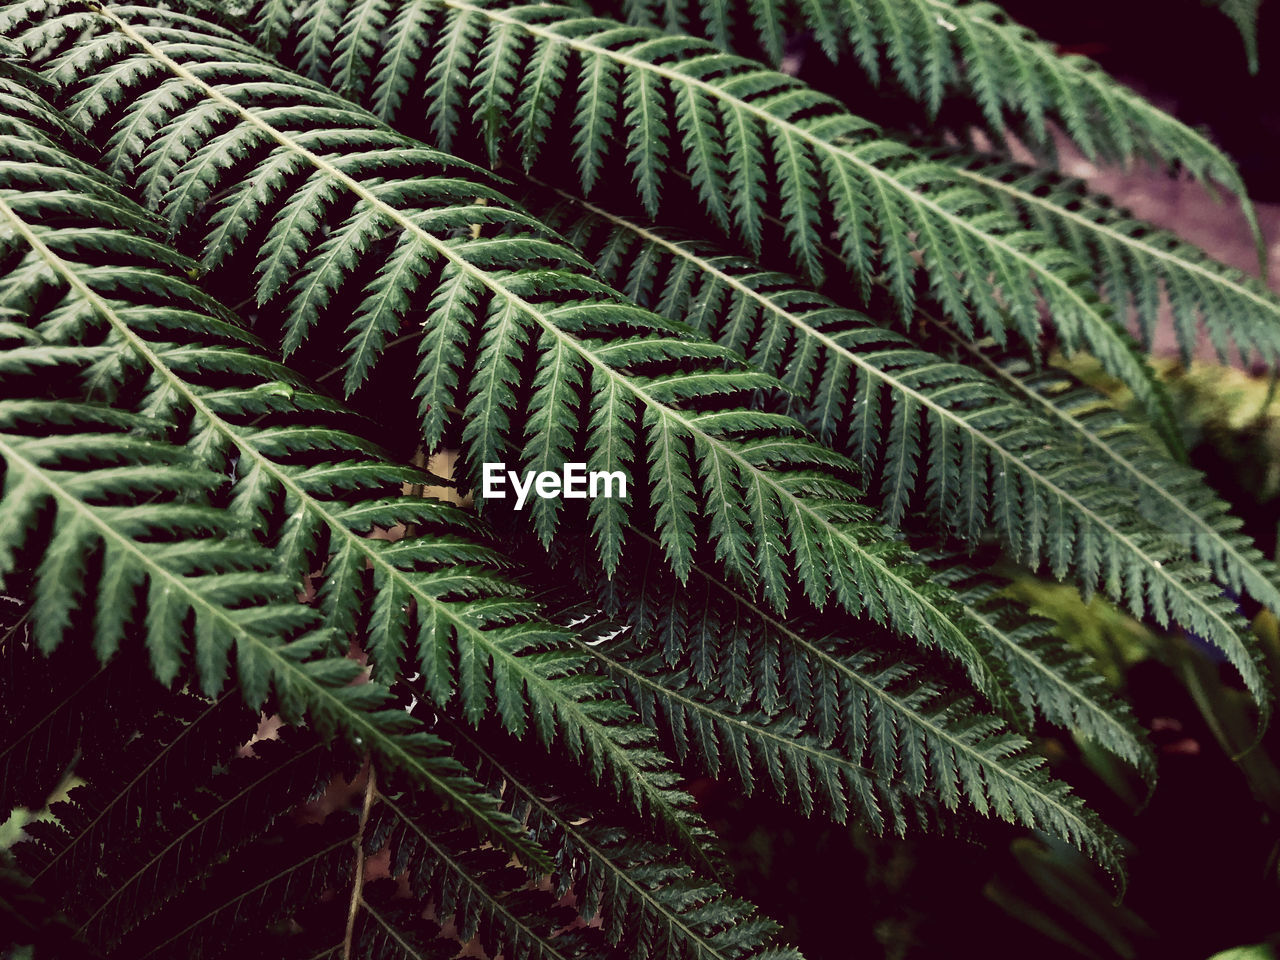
803 455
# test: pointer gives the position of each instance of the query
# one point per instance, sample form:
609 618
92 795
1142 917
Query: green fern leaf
624 882
447 77
725 740
407 38
199 576
1052 677
357 39
932 47
841 554
1168 493
188 883
132 744
832 169
870 393
1131 258
844 703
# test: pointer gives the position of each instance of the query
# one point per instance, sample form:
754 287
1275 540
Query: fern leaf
388 925
973 48
271 23
803 766
1244 14
253 903
357 39
447 75
870 392
45 697
319 34
873 707
303 683
1235 310
390 294
624 882
1168 493
832 168
197 859
845 557
499 61
397 63
1052 677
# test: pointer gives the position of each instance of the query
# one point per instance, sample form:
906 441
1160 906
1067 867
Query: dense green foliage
815 347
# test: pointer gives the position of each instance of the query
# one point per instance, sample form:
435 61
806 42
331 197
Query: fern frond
189 575
625 882
844 686
1051 676
1169 493
475 637
985 460
160 851
1135 263
391 926
935 48
658 401
271 23
130 506
675 691
835 174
